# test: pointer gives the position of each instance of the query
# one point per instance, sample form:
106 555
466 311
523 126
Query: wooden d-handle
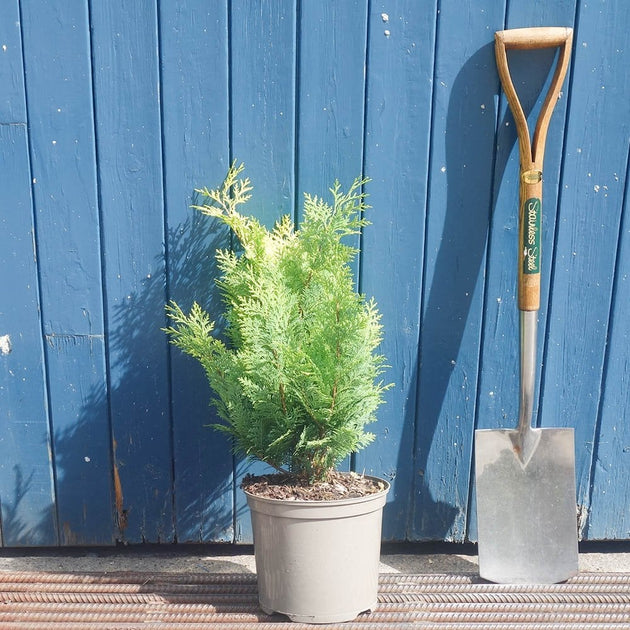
531 152
536 37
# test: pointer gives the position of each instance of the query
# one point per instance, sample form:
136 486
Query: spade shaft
526 438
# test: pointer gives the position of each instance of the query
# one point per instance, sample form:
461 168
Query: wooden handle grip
535 37
531 151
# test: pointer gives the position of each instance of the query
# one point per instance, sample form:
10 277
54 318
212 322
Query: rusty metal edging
124 601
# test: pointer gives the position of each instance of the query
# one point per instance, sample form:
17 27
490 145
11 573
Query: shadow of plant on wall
162 476
14 528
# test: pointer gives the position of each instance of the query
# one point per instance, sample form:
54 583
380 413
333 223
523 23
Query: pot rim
328 502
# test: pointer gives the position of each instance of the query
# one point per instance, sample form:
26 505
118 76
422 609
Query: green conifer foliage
297 378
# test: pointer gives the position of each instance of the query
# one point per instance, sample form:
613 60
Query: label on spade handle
532 210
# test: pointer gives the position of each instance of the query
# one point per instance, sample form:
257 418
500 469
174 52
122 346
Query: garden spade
525 477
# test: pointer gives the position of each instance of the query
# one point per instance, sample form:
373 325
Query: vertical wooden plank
498 391
332 58
26 476
26 473
12 103
609 511
459 201
588 226
58 73
398 119
262 62
126 82
194 56
331 52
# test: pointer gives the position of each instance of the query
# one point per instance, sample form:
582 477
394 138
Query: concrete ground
395 558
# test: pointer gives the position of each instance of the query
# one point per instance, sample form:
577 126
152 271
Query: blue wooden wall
111 113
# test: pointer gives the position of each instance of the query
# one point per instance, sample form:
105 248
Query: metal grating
125 601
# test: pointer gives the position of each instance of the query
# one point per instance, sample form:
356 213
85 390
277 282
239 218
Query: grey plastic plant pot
318 561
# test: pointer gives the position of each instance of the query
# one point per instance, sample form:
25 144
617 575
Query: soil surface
339 486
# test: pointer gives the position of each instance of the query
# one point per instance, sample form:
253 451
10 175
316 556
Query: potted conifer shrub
296 379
